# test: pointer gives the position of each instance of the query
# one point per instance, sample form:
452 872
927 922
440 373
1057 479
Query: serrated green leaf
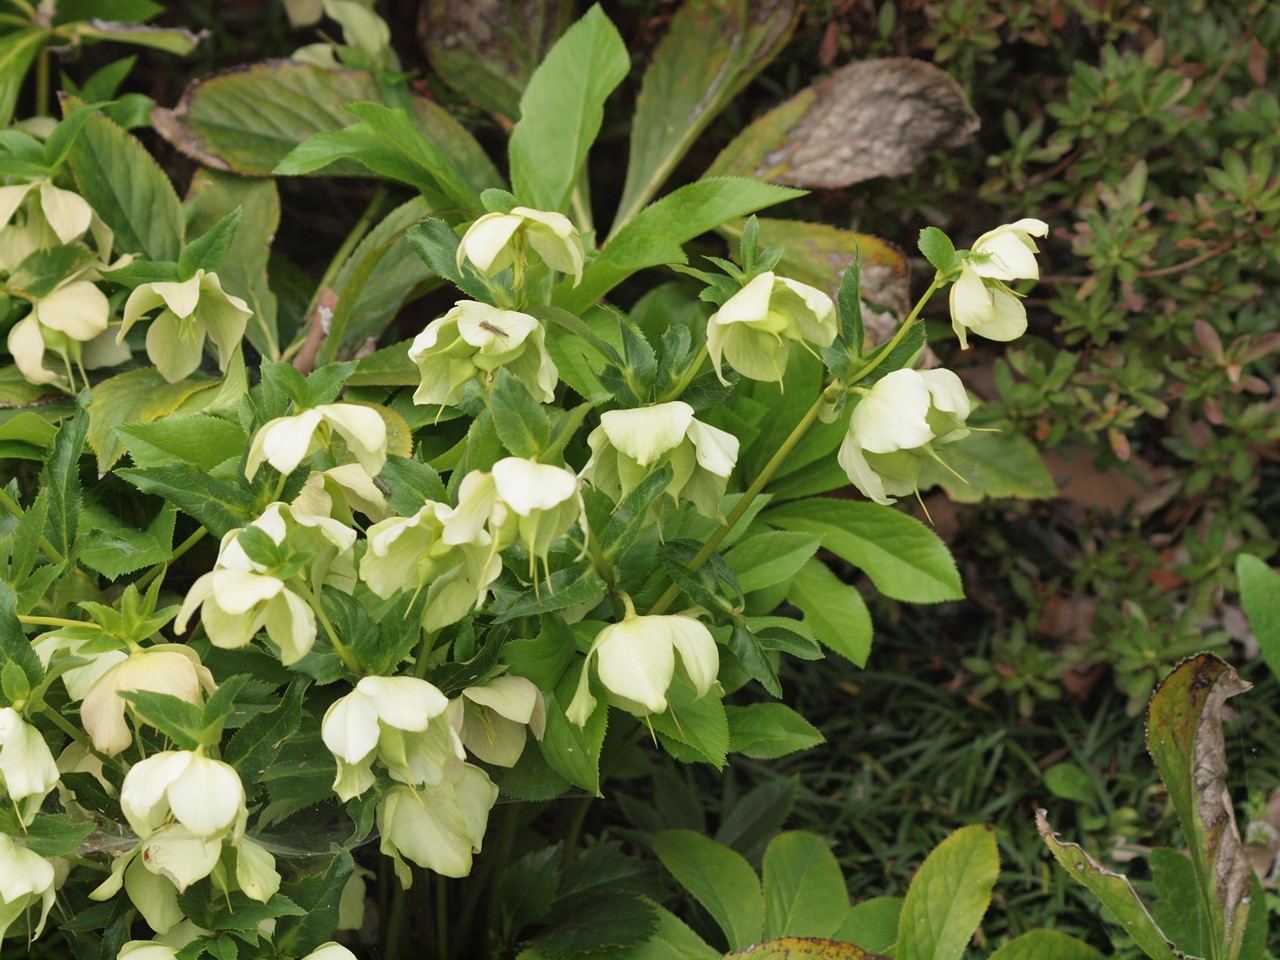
631 517
949 896
904 559
562 108
719 879
61 477
771 557
318 895
134 397
766 731
804 891
937 249
17 52
573 751
218 505
696 722
521 422
989 465
833 610
200 440
127 189
114 549
177 719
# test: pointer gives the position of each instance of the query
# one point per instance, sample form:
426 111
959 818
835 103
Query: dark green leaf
745 646
631 518
521 422
114 549
437 245
218 505
177 719
17 52
61 477
937 249
543 658
573 751
209 251
319 896
766 731
720 879
565 588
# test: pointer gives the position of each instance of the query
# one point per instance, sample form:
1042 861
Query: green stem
11 505
442 919
907 324
145 580
52 621
744 504
352 240
344 652
687 378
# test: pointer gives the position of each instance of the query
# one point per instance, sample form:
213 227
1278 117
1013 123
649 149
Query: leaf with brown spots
804 948
879 118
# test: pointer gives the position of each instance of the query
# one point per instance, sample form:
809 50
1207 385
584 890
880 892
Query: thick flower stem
744 504
52 621
907 324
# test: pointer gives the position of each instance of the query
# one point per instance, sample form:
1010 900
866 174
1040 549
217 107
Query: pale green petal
207 798
755 355
487 243
154 896
405 703
363 429
636 660
476 496
426 827
698 651
144 796
174 346
854 464
286 441
717 449
11 198
68 213
104 350
513 697
26 345
222 316
78 309
970 303
239 591
256 872
748 305
174 852
350 727
141 301
526 486
180 297
1006 318
813 311
291 623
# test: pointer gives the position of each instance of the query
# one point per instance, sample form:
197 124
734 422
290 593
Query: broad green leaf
400 274
1113 890
803 948
873 924
948 896
127 189
657 233
388 367
562 108
177 719
631 517
61 477
25 435
904 558
15 649
613 921
699 723
114 549
17 52
565 588
868 119
246 119
543 658
218 505
200 439
766 731
490 57
719 879
1177 908
770 558
755 818
174 40
211 197
1046 945
570 750
710 52
1184 736
319 894
521 422
55 834
937 249
673 941
1260 595
135 397
804 891
990 465
833 610
1069 782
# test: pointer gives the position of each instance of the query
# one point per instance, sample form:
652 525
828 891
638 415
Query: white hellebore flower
475 338
754 328
239 597
523 502
171 668
630 444
980 299
408 553
636 662
494 714
26 879
330 951
499 240
390 718
147 950
28 771
200 793
67 215
286 441
193 309
438 826
896 424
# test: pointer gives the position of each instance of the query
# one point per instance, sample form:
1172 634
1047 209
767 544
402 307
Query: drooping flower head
500 240
981 300
896 424
438 826
755 327
190 311
492 717
630 444
28 771
636 661
286 441
476 339
26 879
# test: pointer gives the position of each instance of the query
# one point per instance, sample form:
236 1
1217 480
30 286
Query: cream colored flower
286 441
179 786
191 311
28 771
476 339
896 424
26 879
171 668
754 328
635 659
980 299
390 719
499 240
493 716
630 444
438 827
